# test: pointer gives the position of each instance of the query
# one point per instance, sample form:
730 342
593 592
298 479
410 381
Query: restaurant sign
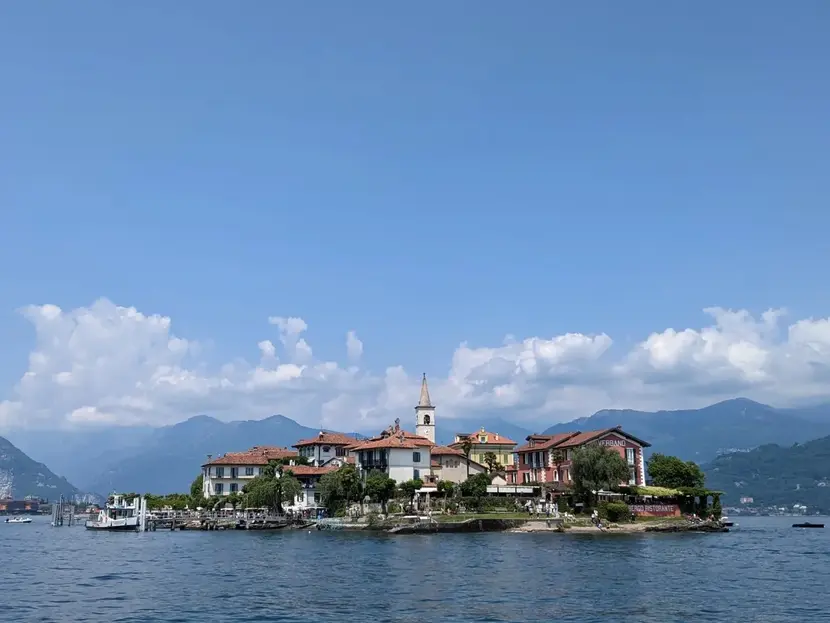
656 510
619 443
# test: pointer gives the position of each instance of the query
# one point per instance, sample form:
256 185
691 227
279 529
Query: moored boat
119 515
807 524
19 520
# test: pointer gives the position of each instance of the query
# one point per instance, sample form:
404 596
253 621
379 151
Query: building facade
548 458
230 472
320 450
450 464
400 454
483 442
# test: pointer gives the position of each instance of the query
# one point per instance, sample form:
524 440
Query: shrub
393 507
614 511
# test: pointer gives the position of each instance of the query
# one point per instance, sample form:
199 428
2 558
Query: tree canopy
380 487
410 487
196 488
596 467
274 487
339 488
672 472
476 486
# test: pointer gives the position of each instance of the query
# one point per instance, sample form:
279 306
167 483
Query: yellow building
484 442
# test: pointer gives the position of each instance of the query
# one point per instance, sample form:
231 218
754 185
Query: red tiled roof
258 455
574 439
582 438
443 450
330 439
393 441
493 439
435 463
544 442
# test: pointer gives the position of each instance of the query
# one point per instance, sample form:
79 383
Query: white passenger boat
119 515
19 520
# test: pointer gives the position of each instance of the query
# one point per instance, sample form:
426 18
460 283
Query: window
416 457
234 487
249 471
629 455
632 476
234 472
568 474
416 474
311 497
326 449
220 472
525 478
426 420
482 439
341 451
217 488
555 476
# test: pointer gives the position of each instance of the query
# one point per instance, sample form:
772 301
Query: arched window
426 420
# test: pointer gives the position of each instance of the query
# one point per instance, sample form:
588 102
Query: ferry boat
19 520
119 515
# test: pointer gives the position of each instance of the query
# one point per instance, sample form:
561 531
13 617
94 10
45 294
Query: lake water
762 571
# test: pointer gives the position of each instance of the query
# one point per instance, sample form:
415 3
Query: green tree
446 488
339 488
274 487
672 472
197 487
492 462
476 486
596 467
467 448
380 488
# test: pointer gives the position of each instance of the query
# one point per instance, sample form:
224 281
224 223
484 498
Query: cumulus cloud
106 364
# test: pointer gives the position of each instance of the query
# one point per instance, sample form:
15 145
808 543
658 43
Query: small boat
118 515
807 524
19 520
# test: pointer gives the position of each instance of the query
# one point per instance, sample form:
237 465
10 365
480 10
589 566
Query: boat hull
121 528
808 525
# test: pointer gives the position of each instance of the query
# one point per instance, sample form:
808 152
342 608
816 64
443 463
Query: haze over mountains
167 459
20 476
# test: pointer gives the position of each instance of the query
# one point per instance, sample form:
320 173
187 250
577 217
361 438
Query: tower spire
424 401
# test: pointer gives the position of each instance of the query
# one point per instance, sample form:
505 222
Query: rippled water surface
763 571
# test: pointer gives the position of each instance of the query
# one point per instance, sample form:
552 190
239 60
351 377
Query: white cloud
106 364
354 347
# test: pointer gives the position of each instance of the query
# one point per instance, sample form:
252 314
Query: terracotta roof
412 442
493 439
442 450
435 463
330 439
583 438
308 470
544 442
573 439
258 455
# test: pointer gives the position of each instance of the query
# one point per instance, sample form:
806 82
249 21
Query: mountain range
700 435
20 476
167 459
775 475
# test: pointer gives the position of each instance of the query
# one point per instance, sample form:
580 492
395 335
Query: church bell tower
425 414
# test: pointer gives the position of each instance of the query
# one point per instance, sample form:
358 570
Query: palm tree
467 448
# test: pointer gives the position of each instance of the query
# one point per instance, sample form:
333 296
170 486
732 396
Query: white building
230 472
325 447
402 455
451 464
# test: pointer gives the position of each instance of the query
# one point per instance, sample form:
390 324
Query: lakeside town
574 479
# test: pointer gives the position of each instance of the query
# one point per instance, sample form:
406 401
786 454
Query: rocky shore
627 528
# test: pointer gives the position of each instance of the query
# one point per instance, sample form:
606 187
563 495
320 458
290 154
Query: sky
300 208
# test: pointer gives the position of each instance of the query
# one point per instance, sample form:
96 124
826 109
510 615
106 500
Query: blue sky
423 175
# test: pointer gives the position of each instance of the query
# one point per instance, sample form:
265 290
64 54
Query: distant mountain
775 476
447 429
702 434
169 458
21 476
